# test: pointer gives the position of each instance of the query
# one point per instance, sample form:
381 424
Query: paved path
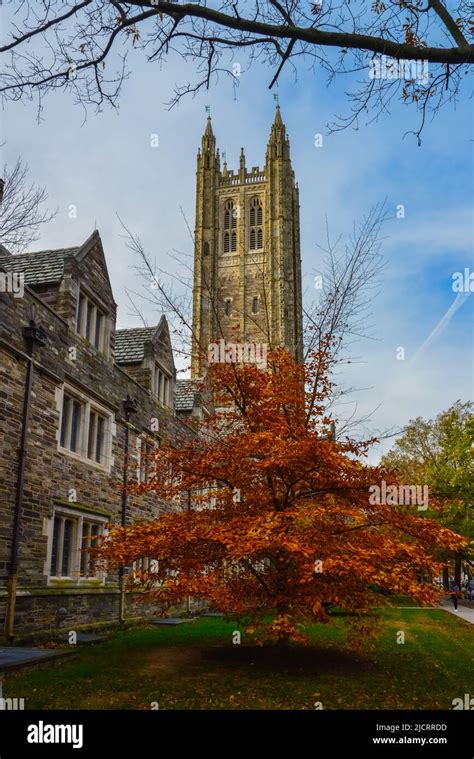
465 609
12 657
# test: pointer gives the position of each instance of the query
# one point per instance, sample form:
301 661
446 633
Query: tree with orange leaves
278 524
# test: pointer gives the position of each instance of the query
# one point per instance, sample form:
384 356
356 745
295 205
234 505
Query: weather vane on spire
275 97
208 110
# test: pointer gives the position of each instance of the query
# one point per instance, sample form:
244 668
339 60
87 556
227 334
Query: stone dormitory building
247 287
74 448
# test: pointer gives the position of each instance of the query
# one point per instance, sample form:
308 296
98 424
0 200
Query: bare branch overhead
82 47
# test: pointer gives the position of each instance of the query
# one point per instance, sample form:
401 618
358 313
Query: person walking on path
455 592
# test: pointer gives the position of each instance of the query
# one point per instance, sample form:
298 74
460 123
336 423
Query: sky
108 169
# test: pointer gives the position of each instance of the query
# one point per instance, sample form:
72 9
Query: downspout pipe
35 336
129 407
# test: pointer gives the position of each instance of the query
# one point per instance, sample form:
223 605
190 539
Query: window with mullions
162 386
84 429
90 535
256 224
95 443
71 423
90 322
71 542
61 554
230 224
144 457
256 215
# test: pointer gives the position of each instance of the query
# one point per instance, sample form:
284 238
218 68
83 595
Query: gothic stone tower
247 264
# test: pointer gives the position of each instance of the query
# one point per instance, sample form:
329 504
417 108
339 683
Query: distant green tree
439 453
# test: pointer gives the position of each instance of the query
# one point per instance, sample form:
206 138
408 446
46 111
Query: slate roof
130 344
184 394
41 267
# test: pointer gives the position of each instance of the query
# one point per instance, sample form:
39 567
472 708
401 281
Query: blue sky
106 166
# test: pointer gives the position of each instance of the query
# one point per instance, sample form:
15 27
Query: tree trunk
445 578
457 570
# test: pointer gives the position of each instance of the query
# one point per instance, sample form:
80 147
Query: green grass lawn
196 666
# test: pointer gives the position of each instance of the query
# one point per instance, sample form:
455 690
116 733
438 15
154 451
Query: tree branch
449 22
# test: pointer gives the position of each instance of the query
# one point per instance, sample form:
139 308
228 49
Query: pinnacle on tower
208 131
242 165
208 146
208 140
278 143
278 130
278 121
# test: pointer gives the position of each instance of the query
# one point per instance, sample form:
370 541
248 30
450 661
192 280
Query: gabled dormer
75 283
94 305
145 353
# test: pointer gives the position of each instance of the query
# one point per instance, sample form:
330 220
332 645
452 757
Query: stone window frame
145 447
255 216
78 517
89 406
84 301
162 392
229 226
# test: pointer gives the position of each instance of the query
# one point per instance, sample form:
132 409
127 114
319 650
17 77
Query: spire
208 145
278 121
278 144
208 131
208 139
278 131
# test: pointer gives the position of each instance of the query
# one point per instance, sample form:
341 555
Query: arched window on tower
206 249
255 308
230 223
256 224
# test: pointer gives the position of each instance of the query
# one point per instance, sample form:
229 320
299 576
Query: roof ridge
131 329
48 250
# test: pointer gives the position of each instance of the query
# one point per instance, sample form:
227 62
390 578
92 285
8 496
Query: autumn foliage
278 527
